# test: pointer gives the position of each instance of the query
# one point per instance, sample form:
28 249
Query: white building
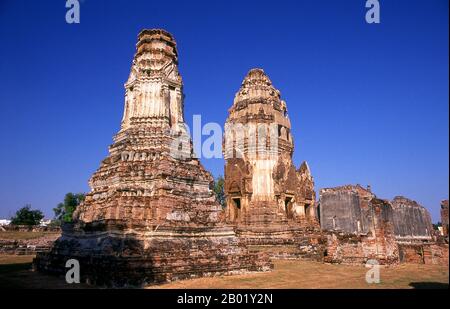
45 222
4 222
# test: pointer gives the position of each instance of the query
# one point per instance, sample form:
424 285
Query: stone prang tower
151 215
268 198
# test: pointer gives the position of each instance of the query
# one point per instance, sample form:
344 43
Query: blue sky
368 103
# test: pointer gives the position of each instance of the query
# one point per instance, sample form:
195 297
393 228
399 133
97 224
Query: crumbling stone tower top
258 101
154 89
255 87
153 40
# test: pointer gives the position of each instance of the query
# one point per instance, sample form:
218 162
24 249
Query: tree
27 216
218 189
64 211
437 225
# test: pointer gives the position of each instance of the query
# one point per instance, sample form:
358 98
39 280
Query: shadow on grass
21 276
429 285
7 268
8 273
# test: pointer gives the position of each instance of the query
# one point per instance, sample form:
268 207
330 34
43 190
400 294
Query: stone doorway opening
318 213
236 208
307 210
289 207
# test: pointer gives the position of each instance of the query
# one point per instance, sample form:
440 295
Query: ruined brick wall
432 253
345 209
444 217
411 254
27 246
377 243
345 248
361 227
436 254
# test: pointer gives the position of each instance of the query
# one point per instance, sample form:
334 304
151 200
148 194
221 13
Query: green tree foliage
219 190
64 211
437 225
27 216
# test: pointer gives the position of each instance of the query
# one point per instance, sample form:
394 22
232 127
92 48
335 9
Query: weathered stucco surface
345 209
411 219
359 225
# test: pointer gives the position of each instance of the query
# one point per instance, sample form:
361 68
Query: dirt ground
15 272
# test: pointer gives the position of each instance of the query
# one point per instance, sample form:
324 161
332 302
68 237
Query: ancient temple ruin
345 209
151 215
359 226
411 220
357 222
268 198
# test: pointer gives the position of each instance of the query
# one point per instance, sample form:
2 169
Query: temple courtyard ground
15 272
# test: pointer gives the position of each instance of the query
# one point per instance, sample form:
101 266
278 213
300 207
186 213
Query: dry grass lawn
294 274
16 235
15 272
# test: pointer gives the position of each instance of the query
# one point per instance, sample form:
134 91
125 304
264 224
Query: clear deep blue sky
369 104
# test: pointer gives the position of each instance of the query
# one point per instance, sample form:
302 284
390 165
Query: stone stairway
265 213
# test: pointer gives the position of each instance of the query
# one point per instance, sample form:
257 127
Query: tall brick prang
269 200
151 215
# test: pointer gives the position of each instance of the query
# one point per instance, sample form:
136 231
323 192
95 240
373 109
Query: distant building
45 222
346 209
411 220
4 222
